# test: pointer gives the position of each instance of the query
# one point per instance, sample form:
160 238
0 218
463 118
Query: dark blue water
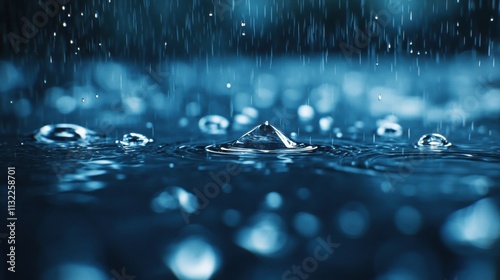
252 140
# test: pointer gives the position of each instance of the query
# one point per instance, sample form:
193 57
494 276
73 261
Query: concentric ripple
263 139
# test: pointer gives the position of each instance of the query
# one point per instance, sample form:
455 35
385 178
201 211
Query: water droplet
210 14
11 102
389 129
97 96
264 138
228 85
243 24
325 124
64 133
83 100
133 140
306 113
379 97
213 124
64 24
433 140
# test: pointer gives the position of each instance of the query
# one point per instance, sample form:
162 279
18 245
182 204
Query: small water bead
133 140
213 124
64 133
306 113
433 140
264 138
389 130
379 97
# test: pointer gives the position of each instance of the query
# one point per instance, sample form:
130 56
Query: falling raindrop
97 96
131 140
83 100
379 97
64 133
213 124
228 85
264 138
433 140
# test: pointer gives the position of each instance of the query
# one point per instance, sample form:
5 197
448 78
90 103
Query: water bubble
83 100
193 259
64 133
174 198
433 140
306 224
264 138
274 200
264 236
228 85
379 97
389 129
133 140
213 124
97 96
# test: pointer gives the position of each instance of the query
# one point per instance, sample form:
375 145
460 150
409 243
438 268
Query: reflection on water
361 158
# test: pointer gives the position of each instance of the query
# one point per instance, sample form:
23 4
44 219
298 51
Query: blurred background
363 79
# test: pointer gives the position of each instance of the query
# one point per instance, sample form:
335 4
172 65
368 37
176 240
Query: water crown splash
263 138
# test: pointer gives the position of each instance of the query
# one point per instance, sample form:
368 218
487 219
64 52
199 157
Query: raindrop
213 124
97 96
64 24
433 140
264 138
379 97
210 14
228 85
133 140
64 133
83 100
243 24
389 129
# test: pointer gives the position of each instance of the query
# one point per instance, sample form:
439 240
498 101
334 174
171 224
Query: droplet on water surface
64 132
264 138
213 124
433 140
389 130
133 140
